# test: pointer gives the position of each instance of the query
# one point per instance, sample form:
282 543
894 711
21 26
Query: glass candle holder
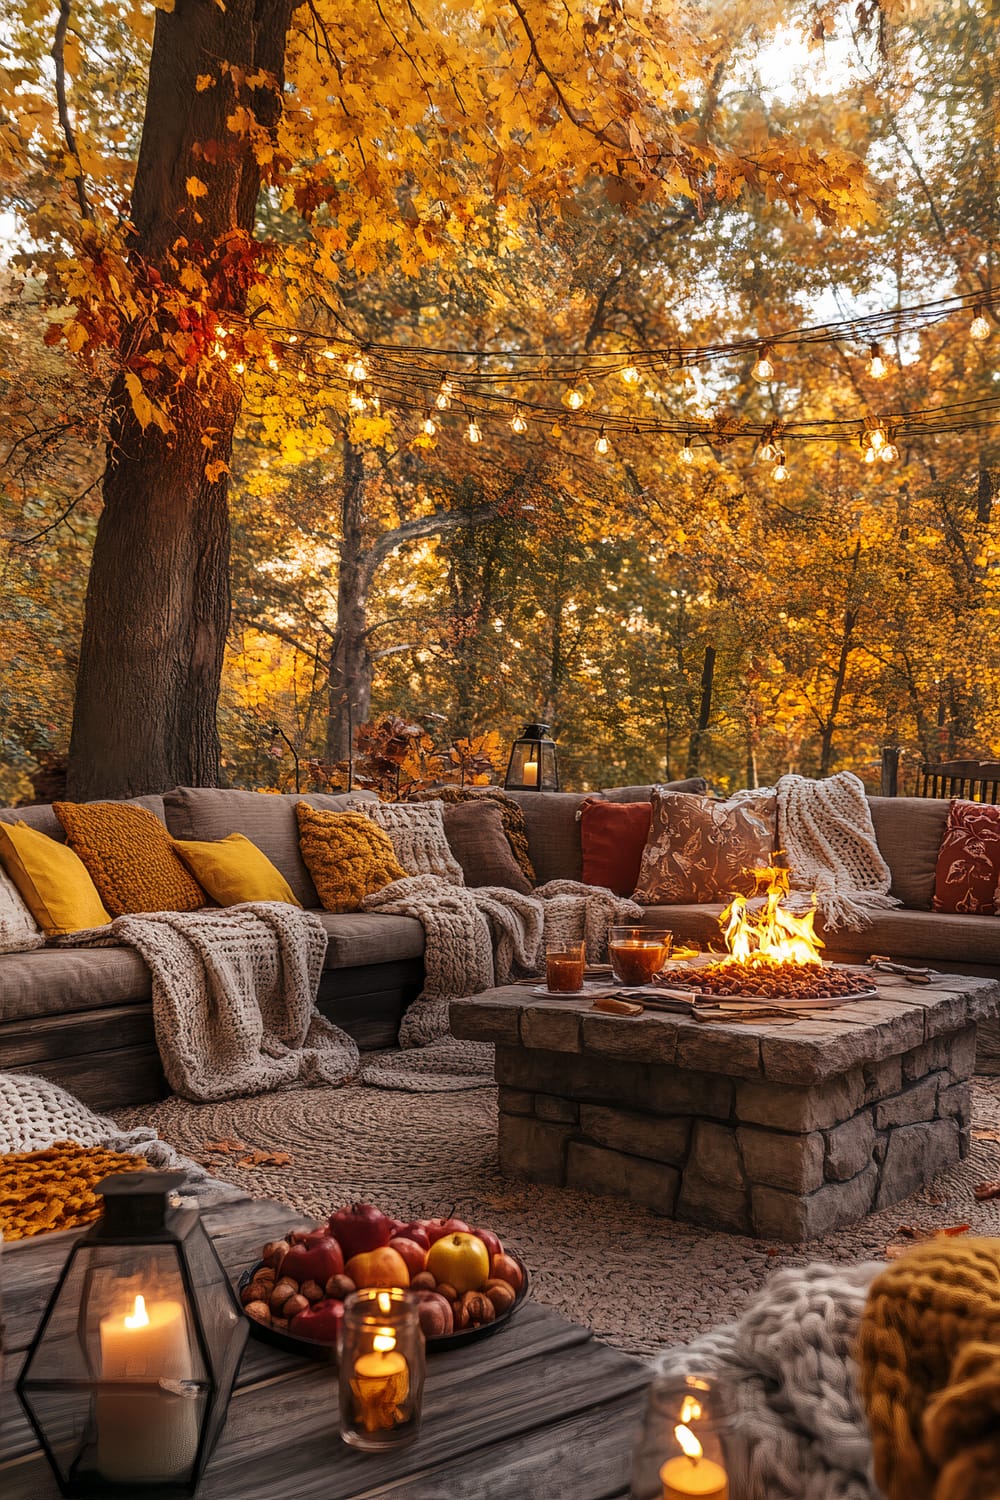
637 953
381 1369
682 1449
564 966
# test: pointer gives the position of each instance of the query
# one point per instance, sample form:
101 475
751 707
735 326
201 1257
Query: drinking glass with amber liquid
637 953
564 964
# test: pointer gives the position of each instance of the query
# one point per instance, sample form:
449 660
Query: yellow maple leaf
204 81
215 470
195 188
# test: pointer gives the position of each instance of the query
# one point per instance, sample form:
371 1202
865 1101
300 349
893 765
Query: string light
602 446
877 367
768 451
428 426
474 432
574 398
890 453
979 328
358 370
239 367
517 422
779 473
686 454
877 438
763 367
443 398
870 455
329 353
356 401
630 375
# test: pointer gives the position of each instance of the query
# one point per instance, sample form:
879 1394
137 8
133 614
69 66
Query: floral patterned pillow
967 878
700 849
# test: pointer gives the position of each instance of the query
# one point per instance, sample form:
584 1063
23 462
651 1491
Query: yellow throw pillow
347 855
233 869
53 881
130 856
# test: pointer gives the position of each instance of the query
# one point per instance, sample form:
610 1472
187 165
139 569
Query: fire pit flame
769 936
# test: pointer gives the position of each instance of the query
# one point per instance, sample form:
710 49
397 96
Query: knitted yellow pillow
348 857
130 857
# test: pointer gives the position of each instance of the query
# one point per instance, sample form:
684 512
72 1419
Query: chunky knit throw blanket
825 830
930 1371
800 1431
234 999
35 1113
476 938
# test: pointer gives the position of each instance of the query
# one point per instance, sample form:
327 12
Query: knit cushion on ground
967 878
19 932
613 836
347 855
700 849
130 857
476 836
416 830
52 881
512 815
233 870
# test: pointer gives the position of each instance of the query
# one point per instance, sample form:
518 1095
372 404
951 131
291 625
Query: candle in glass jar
146 1435
692 1476
381 1385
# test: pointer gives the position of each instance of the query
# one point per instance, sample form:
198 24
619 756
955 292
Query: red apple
413 1254
322 1321
396 1225
416 1230
490 1240
435 1314
438 1228
315 1259
360 1227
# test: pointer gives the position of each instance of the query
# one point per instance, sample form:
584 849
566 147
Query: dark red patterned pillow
967 878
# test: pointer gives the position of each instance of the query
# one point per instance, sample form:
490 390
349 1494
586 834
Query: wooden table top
541 1409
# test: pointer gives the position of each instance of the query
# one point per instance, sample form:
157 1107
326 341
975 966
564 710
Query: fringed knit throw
825 830
476 938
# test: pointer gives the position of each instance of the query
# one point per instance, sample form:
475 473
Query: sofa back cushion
613 836
41 816
909 831
267 819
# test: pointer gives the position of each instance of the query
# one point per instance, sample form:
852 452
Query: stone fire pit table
782 1131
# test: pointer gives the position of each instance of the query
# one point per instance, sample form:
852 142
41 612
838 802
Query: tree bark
704 713
157 607
350 671
850 620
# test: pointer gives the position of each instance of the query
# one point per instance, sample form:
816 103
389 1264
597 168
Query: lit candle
146 1435
691 1473
381 1385
530 777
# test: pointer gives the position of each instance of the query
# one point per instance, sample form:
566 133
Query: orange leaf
226 1145
986 1190
265 1159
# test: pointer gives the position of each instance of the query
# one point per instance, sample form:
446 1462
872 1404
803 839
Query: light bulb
329 354
272 362
428 426
517 422
876 438
573 399
358 370
763 368
870 456
630 375
889 453
686 454
474 432
293 338
443 398
979 328
779 473
239 367
220 332
602 446
768 451
877 367
356 401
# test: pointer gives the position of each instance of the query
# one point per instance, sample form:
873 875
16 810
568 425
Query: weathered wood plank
44 1037
108 1080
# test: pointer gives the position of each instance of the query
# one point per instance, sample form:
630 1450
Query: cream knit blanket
475 938
826 833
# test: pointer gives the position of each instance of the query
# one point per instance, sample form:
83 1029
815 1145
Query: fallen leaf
912 1233
986 1190
265 1159
986 1135
226 1145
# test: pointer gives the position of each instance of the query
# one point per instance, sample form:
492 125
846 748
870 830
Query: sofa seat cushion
267 819
356 938
934 937
59 981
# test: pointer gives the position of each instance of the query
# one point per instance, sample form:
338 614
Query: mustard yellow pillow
53 881
233 869
130 857
348 856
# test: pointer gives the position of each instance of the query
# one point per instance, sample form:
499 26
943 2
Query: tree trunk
850 622
704 713
350 672
157 607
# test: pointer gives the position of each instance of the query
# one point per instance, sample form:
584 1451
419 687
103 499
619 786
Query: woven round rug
639 1281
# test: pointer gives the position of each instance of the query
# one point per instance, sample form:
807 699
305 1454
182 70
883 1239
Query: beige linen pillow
700 849
416 830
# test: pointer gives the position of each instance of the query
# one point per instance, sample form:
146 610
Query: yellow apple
461 1260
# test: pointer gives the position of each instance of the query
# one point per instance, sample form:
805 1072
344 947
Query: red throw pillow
613 836
967 878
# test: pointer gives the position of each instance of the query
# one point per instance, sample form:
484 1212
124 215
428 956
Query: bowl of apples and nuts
467 1284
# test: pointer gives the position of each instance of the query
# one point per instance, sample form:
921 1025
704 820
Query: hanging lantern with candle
533 766
128 1379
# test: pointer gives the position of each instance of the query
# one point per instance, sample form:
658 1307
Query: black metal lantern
533 766
128 1379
